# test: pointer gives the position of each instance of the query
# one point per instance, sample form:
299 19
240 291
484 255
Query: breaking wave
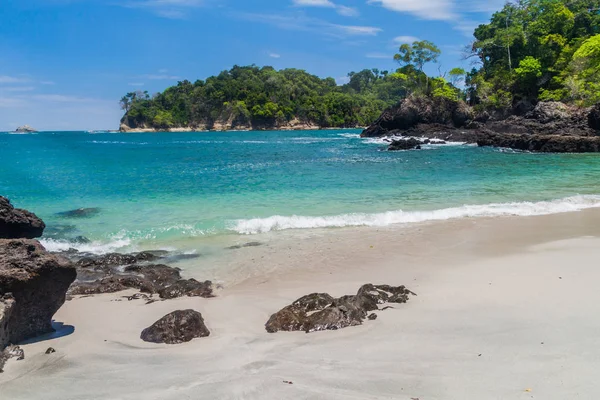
95 247
278 222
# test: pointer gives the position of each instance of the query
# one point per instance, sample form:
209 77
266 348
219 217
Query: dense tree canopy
538 50
253 96
530 50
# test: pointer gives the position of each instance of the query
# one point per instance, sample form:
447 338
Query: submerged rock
405 144
320 311
37 281
18 224
80 213
116 259
176 327
240 246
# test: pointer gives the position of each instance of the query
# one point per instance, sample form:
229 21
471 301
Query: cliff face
545 127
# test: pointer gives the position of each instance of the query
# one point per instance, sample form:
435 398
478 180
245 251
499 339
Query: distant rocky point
25 129
541 127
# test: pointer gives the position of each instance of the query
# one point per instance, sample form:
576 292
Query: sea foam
95 247
278 222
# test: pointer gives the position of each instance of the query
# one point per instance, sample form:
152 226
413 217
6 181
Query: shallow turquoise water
155 188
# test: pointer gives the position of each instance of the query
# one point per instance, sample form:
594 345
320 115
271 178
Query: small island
25 129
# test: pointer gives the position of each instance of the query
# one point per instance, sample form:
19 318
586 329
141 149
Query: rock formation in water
25 129
544 127
17 223
320 311
176 327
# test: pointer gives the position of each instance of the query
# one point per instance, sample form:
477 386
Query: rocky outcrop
416 110
545 126
543 143
33 284
17 223
115 272
25 129
320 311
177 327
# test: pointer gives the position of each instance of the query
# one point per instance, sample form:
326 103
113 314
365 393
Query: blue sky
66 63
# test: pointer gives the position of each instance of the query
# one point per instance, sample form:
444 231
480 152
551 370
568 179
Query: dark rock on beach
33 285
177 327
320 311
80 213
189 288
18 224
160 276
10 352
112 284
111 273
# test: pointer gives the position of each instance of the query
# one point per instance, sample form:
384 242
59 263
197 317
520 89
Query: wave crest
278 222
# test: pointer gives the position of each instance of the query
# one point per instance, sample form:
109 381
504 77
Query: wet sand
506 309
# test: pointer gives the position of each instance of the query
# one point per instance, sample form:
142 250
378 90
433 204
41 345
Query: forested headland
530 51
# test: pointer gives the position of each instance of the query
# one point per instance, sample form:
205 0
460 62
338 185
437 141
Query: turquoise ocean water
155 189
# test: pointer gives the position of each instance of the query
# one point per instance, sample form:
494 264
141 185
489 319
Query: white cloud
17 89
274 55
163 71
10 102
161 77
347 11
425 9
47 83
58 112
340 9
60 98
13 79
405 39
299 22
358 30
136 84
171 9
342 80
379 55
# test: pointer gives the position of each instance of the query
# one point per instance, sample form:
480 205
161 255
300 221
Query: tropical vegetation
531 50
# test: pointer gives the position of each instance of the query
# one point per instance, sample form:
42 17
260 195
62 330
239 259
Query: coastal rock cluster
114 272
320 311
543 127
33 282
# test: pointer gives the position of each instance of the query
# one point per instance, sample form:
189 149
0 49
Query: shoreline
490 291
244 129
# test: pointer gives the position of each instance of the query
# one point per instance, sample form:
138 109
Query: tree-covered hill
253 97
537 50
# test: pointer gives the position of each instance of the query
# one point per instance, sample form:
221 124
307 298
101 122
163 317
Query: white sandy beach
506 309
